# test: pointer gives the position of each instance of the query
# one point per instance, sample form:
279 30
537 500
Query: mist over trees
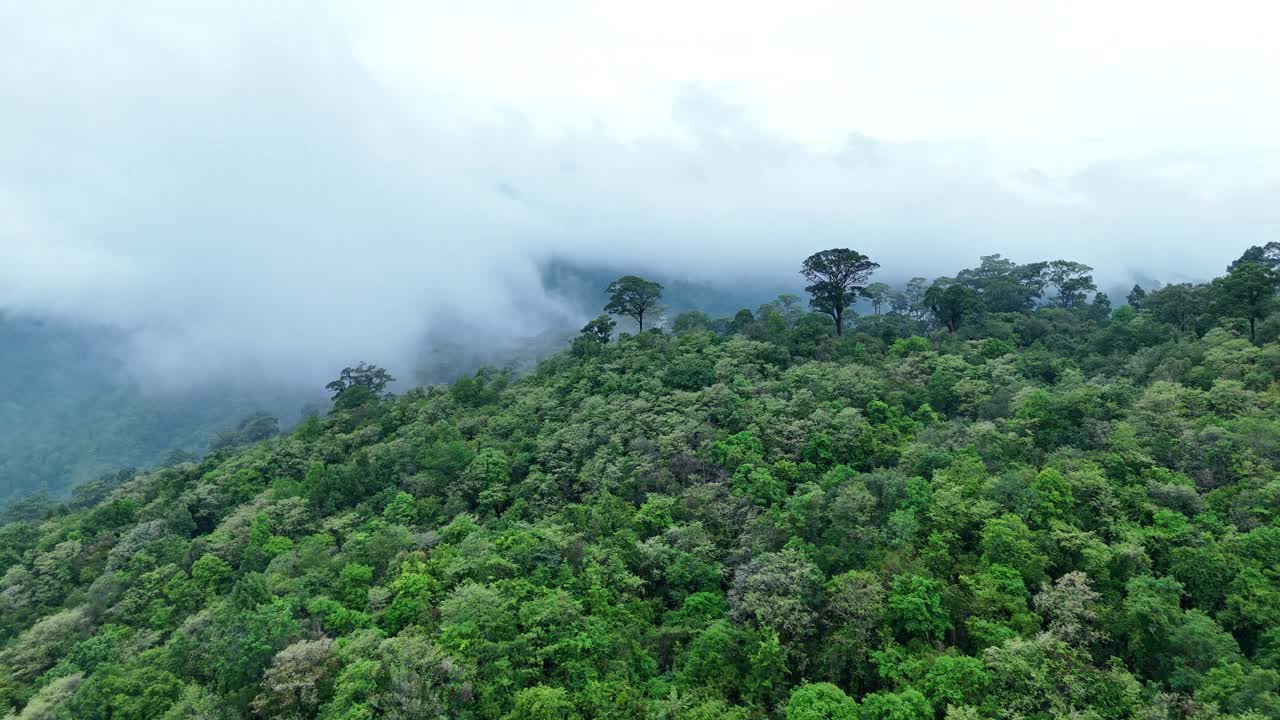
993 496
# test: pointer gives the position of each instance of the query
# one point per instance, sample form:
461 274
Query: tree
879 294
911 300
299 679
633 297
1248 291
254 428
915 606
370 377
1136 297
956 680
542 703
419 678
1004 285
908 704
1071 608
1182 305
600 330
821 701
778 591
951 303
1268 255
1071 280
691 321
837 277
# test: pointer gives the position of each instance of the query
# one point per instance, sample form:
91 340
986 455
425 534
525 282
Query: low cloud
247 193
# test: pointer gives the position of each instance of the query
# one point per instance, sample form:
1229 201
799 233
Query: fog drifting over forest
287 189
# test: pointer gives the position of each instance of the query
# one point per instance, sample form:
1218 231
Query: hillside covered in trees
992 496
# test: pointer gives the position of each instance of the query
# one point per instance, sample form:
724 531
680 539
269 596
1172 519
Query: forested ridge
991 495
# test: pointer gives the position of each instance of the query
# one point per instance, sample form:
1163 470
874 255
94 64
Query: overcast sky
302 184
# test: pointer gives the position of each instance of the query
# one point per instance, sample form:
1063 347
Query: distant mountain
70 410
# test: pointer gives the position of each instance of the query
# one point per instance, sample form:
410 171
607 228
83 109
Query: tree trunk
839 316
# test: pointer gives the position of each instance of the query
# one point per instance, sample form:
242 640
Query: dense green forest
991 496
72 410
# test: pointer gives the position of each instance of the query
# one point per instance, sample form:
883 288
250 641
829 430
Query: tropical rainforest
992 495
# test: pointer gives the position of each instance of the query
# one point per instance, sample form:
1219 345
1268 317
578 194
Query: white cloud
299 184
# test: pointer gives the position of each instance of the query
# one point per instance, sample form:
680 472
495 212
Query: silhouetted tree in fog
633 297
837 278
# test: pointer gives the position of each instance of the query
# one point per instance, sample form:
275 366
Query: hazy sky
302 184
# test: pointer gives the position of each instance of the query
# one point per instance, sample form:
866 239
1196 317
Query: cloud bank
287 190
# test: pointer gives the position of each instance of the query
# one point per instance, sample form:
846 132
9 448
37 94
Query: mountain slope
1049 513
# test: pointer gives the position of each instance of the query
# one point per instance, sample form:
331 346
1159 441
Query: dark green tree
951 304
1268 255
599 330
879 294
837 277
1136 297
633 297
1248 292
1072 281
370 377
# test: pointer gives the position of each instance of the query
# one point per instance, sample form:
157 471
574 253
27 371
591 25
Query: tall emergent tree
1248 291
1268 255
370 377
950 303
632 297
1072 281
879 294
837 278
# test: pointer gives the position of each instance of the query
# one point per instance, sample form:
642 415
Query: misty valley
862 495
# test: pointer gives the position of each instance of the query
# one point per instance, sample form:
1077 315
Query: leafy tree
951 304
879 294
909 704
128 693
1268 255
599 330
1072 610
956 680
299 680
911 300
254 428
633 297
1181 305
371 378
1003 285
778 591
837 277
915 606
1137 296
1249 292
542 703
1071 281
821 701
691 321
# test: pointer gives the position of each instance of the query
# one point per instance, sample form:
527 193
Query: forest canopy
996 495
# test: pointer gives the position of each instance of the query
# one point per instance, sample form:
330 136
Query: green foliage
1042 510
915 606
837 278
908 704
821 701
633 297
